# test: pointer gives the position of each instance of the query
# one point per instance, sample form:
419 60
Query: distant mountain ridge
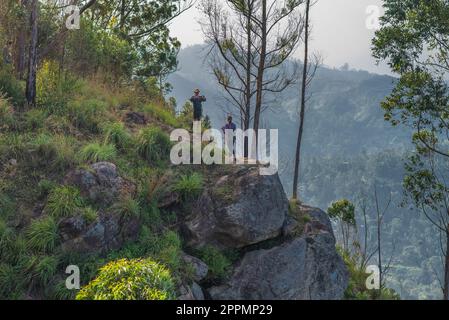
344 109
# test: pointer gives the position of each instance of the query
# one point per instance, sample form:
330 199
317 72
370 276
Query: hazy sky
340 32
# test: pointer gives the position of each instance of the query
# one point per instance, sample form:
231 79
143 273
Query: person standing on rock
230 126
197 102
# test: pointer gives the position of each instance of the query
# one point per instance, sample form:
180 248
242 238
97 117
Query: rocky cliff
287 251
284 250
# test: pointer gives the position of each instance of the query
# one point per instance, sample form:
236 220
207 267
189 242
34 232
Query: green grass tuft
42 235
64 201
96 152
153 144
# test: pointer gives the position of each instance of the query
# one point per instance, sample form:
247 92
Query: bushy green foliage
357 289
64 201
89 214
10 86
127 207
42 235
130 280
219 265
8 281
96 152
35 118
6 113
85 114
51 152
45 269
189 186
116 133
7 206
54 89
163 113
342 210
153 144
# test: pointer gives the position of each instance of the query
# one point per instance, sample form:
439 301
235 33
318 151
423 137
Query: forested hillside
349 150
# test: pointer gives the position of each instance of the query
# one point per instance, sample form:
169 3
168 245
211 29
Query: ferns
64 201
42 235
153 144
96 152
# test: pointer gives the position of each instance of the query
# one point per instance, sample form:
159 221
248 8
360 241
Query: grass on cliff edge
74 124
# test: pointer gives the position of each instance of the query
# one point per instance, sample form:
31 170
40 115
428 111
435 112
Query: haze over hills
349 150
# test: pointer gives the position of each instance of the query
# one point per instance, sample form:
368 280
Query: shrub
35 118
189 186
45 187
89 214
153 144
6 113
217 262
86 114
54 89
8 280
45 269
115 133
42 235
95 152
127 207
162 113
7 206
356 289
12 88
130 280
54 150
64 201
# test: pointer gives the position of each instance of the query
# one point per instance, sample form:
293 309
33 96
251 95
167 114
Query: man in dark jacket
197 102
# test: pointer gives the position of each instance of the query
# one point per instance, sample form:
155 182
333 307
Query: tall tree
308 72
250 41
32 56
414 41
230 37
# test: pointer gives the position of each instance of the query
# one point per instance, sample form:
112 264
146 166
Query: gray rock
199 267
239 210
191 292
101 183
108 232
307 268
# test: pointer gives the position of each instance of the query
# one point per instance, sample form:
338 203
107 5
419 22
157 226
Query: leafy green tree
343 212
414 41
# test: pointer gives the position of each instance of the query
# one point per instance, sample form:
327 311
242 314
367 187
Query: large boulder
240 209
306 268
109 232
101 183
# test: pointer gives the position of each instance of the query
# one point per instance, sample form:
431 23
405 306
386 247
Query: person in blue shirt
231 126
197 102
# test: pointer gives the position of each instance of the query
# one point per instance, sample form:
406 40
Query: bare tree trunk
261 68
303 105
379 246
247 113
446 267
32 59
122 14
21 39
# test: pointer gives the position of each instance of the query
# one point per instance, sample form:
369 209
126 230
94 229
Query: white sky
340 33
